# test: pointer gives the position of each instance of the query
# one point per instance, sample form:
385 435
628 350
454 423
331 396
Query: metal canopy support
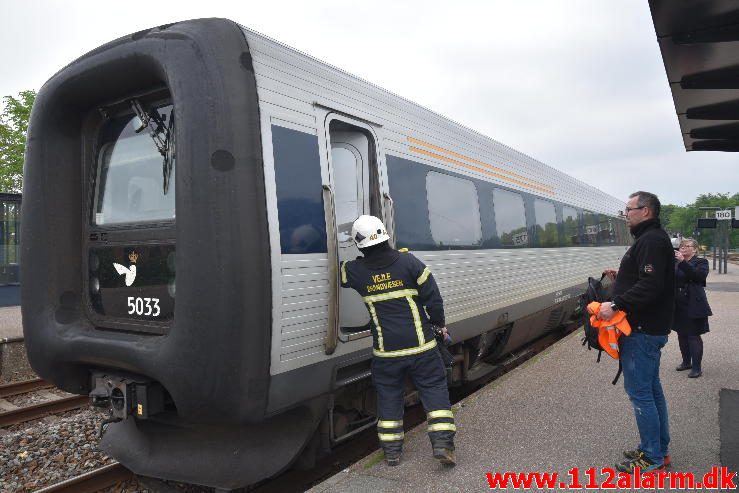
720 239
699 41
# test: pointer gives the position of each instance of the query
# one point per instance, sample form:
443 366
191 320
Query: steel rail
15 388
42 409
95 480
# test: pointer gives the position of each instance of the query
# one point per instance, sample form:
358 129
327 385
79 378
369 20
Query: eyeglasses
687 246
629 209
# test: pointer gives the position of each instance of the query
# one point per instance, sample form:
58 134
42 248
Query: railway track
15 388
13 414
95 480
292 480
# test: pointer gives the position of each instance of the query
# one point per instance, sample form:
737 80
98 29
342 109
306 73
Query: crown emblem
133 257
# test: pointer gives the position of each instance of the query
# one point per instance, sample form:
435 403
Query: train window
622 232
454 212
299 193
547 232
510 218
410 211
348 194
590 229
571 226
131 187
606 230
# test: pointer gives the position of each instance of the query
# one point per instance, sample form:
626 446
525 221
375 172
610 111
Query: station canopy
699 40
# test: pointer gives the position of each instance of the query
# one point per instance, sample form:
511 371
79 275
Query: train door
355 190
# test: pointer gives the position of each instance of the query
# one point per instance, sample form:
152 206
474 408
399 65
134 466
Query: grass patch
377 457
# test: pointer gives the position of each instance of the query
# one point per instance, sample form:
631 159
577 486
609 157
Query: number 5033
147 307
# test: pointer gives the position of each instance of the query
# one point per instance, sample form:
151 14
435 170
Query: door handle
389 208
332 250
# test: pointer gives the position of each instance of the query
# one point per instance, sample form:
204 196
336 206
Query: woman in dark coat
691 305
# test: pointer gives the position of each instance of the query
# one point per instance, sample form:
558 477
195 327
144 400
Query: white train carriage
189 193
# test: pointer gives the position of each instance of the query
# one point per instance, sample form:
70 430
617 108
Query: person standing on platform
691 305
644 289
399 290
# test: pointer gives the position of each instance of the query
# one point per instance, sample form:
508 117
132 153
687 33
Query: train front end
146 280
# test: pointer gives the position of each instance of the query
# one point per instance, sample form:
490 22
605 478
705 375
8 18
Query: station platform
547 415
11 326
14 364
10 295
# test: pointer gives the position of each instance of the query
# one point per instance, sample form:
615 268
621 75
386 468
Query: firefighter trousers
428 374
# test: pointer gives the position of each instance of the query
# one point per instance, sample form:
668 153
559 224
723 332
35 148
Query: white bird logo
129 271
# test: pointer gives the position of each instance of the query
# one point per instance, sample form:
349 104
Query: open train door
356 186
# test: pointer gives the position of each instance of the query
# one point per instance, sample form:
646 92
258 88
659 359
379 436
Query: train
188 197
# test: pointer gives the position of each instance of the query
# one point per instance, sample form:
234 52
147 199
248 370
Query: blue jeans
640 355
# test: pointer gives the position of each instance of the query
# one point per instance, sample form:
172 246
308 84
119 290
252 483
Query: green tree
13 132
684 219
665 215
724 201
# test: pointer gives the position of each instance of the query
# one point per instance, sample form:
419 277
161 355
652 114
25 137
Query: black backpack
595 291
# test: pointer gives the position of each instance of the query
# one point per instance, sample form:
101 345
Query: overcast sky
576 84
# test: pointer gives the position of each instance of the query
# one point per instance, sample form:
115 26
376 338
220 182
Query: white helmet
368 231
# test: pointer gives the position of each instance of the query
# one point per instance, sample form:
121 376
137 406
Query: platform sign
724 215
706 223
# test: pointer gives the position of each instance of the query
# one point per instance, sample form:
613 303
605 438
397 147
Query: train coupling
126 397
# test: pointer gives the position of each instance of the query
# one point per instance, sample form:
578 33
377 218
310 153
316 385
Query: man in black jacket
645 291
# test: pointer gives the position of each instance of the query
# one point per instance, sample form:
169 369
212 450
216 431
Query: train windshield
135 172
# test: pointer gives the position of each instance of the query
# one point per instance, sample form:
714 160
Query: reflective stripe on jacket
609 330
398 297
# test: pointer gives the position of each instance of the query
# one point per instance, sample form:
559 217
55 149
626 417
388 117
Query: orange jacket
609 330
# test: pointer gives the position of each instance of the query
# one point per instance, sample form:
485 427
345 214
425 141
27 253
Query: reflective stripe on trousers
428 375
390 431
440 420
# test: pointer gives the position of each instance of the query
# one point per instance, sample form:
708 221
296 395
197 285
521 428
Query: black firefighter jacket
396 287
645 283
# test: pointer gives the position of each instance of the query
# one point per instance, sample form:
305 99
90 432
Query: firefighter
405 305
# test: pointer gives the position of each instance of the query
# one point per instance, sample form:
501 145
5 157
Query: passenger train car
189 192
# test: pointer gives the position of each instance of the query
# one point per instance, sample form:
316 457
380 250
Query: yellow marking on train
140 410
497 172
475 161
479 170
